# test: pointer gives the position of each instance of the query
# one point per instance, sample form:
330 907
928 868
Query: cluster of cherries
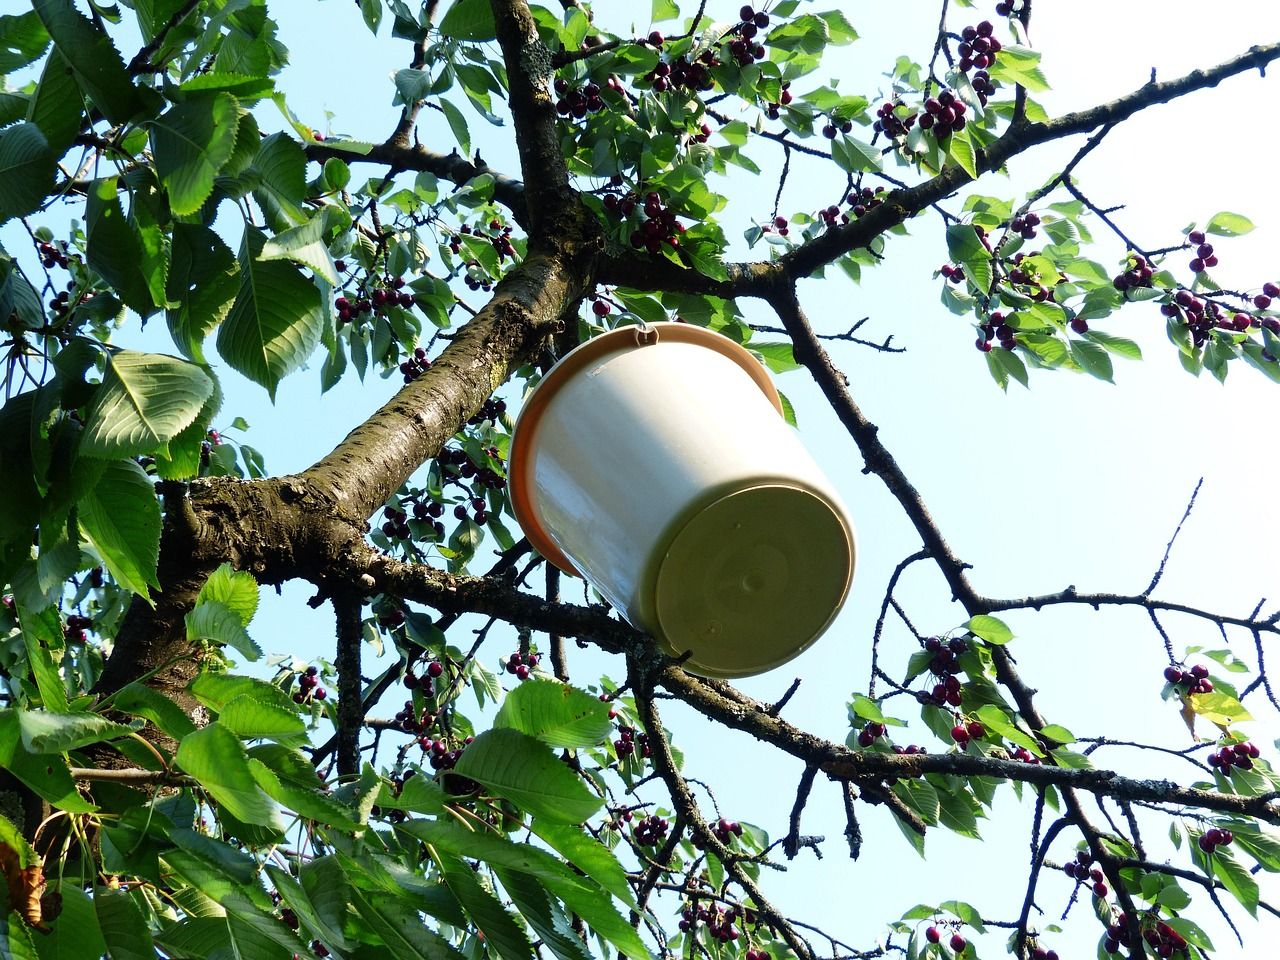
433 671
1006 8
982 86
945 666
61 301
1162 938
520 665
682 72
1239 755
415 365
865 199
997 329
978 48
1213 838
659 226
870 733
578 101
74 630
724 831
1205 257
1025 225
757 955
407 718
779 224
309 686
889 123
944 114
958 943
1040 953
962 733
651 831
1196 679
1082 871
1138 272
1023 755
1269 292
629 741
440 755
1200 316
834 126
743 47
378 300
52 254
721 922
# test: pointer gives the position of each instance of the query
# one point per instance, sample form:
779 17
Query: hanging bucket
655 463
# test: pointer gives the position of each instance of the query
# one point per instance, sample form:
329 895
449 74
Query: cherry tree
165 795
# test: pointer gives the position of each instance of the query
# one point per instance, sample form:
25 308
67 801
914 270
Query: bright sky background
1074 481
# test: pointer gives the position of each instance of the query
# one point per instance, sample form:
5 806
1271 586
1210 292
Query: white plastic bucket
655 463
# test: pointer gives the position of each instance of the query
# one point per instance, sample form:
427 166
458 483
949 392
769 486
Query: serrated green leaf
74 933
23 39
120 516
56 105
235 589
216 758
146 399
991 629
590 856
44 731
469 20
122 925
960 148
201 286
215 690
141 701
1093 359
1227 224
526 772
555 713
1219 707
27 170
275 322
116 248
191 141
100 71
249 718
41 635
304 245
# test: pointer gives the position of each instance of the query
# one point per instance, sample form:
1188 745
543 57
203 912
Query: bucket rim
519 478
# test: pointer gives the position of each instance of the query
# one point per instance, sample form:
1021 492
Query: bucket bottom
752 580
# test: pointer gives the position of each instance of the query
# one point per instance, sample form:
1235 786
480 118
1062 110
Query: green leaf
990 629
400 928
191 141
458 124
27 170
116 249
1227 224
589 855
42 634
186 450
120 516
146 399
216 758
526 772
141 701
997 721
371 10
250 718
201 286
304 245
215 690
966 912
276 319
1093 359
122 924
1236 878
503 937
469 20
778 357
961 150
308 802
1190 932
280 169
544 915
56 106
15 938
1219 707
853 155
97 64
46 732
555 713
1117 345
233 588
75 934
216 622
23 39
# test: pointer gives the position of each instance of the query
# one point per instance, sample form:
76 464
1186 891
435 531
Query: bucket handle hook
646 335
